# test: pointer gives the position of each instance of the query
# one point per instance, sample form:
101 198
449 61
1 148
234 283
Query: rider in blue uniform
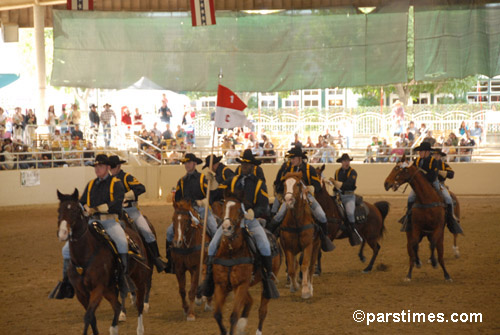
133 189
193 188
221 173
256 205
345 183
312 181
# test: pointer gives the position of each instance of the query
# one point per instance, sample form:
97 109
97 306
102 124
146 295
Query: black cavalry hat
296 152
101 159
439 151
248 157
191 158
344 157
114 161
216 159
424 146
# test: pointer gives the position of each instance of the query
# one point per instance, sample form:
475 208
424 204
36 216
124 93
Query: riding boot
126 284
452 222
326 243
354 237
169 267
270 290
153 248
406 219
206 288
273 227
63 289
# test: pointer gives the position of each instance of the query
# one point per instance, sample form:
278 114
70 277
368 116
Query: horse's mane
183 205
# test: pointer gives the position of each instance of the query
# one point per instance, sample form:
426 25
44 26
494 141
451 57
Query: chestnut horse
233 271
428 212
371 231
298 234
93 267
186 249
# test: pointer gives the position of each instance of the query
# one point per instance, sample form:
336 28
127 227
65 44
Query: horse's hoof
146 307
418 264
241 325
362 259
113 330
198 301
449 280
258 332
122 317
367 270
408 279
190 317
456 252
208 308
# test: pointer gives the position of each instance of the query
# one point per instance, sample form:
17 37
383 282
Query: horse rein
192 219
70 233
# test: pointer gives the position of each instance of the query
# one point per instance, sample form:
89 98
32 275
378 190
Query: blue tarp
7 78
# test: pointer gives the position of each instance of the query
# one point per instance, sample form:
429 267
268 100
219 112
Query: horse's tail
383 207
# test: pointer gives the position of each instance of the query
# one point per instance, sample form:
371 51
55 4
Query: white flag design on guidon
229 110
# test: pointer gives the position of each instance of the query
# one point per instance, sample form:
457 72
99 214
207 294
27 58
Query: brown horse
298 234
92 270
186 249
371 231
428 212
131 225
233 271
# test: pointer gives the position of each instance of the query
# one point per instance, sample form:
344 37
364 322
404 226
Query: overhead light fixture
366 10
263 11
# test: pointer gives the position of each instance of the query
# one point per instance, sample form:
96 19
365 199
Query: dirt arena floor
31 266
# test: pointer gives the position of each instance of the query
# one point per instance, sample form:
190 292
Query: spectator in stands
423 129
268 148
94 119
155 140
8 162
232 154
165 112
454 139
449 150
339 139
137 117
18 124
88 154
397 152
412 129
369 155
45 157
398 112
106 117
180 134
328 137
296 142
428 138
57 136
30 121
155 130
257 149
319 144
77 134
383 152
309 143
327 153
410 135
477 131
3 122
75 115
226 145
126 117
403 142
167 134
464 152
397 128
63 119
463 128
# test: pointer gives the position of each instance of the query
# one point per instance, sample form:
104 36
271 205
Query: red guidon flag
202 12
229 111
80 4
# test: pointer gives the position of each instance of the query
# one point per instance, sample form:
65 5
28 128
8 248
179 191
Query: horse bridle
192 218
301 183
70 233
409 180
234 223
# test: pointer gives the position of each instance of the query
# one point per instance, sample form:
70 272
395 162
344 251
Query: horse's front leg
411 244
290 264
89 318
306 273
192 293
220 294
181 280
439 239
240 297
112 297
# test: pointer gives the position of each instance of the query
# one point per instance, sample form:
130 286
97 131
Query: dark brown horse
428 212
298 234
233 271
371 231
186 252
129 224
92 270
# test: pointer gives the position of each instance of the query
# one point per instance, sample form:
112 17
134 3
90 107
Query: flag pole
208 197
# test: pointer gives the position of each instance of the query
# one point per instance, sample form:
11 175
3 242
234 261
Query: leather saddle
361 211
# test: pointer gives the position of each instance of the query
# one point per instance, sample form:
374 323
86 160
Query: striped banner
80 5
202 12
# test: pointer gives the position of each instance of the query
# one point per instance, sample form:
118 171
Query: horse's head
319 172
70 212
294 188
400 174
233 215
184 219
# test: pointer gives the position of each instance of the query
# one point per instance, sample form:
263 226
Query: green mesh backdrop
455 42
278 52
